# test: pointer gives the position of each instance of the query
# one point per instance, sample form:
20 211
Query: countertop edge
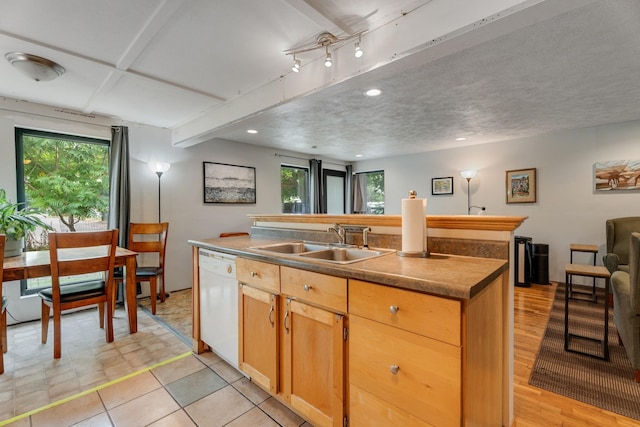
238 246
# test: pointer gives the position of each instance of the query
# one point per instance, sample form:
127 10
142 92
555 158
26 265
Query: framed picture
229 183
521 186
617 175
442 186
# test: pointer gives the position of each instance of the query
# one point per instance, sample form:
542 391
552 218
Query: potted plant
15 223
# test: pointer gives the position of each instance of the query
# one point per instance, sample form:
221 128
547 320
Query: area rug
175 313
606 385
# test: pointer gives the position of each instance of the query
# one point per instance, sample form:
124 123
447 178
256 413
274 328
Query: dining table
34 264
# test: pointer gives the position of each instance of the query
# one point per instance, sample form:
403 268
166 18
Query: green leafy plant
16 222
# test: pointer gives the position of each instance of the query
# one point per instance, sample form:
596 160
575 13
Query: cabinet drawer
260 274
427 315
366 410
427 383
320 289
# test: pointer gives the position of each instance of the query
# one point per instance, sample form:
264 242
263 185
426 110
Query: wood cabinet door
258 348
314 342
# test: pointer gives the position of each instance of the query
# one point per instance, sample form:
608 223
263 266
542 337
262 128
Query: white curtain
360 196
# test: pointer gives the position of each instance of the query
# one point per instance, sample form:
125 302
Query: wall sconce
159 168
325 40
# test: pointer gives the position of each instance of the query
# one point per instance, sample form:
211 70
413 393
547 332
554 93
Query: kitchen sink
327 252
292 248
344 255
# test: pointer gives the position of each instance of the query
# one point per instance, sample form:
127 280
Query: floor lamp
468 175
159 168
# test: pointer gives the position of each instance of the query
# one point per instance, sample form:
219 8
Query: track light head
296 65
328 62
358 50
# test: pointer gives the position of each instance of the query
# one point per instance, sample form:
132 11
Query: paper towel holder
420 254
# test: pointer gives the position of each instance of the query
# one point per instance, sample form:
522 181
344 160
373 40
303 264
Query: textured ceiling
177 62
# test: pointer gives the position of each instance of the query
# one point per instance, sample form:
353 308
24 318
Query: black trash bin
522 261
540 263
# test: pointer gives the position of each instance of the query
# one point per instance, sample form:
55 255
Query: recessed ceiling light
462 138
373 92
252 131
358 155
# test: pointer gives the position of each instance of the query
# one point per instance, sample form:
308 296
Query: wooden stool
595 272
578 247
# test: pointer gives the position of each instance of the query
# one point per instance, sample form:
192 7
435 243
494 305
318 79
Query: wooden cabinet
417 359
292 339
313 334
258 322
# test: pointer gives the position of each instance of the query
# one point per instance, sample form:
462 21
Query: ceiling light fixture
252 131
296 65
358 52
328 62
35 67
323 41
462 138
373 92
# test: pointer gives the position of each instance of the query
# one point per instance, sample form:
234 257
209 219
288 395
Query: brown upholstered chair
626 307
150 238
618 234
75 254
3 312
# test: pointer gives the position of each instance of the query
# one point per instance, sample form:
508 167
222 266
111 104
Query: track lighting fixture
325 40
358 52
328 62
296 65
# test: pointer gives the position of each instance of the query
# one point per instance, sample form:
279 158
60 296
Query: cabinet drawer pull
394 309
307 287
286 317
271 316
394 369
253 274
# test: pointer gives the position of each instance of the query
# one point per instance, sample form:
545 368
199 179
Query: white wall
567 208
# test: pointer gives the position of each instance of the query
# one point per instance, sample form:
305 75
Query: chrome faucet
365 235
340 231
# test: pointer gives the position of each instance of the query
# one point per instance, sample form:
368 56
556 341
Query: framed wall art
616 175
229 183
442 185
521 186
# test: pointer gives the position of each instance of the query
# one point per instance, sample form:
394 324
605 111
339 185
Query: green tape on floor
100 387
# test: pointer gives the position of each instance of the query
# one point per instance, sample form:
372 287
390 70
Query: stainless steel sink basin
292 248
344 255
326 252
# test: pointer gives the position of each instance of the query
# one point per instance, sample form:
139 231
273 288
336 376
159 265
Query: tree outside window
294 189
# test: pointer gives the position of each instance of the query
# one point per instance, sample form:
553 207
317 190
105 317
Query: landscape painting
617 175
229 183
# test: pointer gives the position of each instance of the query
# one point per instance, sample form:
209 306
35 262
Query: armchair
618 233
626 306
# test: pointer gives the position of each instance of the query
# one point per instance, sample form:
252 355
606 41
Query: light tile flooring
141 390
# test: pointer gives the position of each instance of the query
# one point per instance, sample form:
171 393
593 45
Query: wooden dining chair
77 254
150 238
3 311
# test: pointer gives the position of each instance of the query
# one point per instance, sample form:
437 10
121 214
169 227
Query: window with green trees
294 189
65 176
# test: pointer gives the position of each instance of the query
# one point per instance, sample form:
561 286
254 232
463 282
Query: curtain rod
309 158
53 117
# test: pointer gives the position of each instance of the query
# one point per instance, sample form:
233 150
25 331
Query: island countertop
451 276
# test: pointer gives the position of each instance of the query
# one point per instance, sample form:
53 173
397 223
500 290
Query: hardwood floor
533 406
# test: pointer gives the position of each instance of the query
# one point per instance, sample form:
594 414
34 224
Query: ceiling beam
322 18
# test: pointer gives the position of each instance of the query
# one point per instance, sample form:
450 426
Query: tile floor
126 383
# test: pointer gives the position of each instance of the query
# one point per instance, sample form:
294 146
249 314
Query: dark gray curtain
360 197
315 178
119 183
348 188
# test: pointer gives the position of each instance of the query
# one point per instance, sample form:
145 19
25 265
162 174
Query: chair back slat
81 253
149 238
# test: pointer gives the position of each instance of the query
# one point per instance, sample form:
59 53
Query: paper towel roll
414 235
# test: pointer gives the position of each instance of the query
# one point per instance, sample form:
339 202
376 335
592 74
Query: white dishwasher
219 304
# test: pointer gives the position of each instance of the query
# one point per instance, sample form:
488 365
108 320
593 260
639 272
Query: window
294 189
67 177
368 192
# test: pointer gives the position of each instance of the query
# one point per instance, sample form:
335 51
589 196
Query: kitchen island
389 340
